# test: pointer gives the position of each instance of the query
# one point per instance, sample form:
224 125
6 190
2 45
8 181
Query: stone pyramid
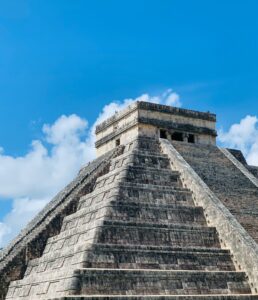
150 218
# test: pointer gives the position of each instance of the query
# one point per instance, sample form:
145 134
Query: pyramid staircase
226 181
137 235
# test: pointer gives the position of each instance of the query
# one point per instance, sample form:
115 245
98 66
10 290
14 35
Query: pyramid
162 213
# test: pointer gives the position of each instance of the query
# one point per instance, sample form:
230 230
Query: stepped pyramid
162 213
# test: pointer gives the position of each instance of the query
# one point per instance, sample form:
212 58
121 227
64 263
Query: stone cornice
141 105
158 123
177 126
177 111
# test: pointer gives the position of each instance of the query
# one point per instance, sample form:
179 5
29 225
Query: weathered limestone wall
241 167
125 136
142 118
148 131
240 157
137 233
232 234
121 121
30 243
137 221
170 116
253 170
234 189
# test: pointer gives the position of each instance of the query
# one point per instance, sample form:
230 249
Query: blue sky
74 57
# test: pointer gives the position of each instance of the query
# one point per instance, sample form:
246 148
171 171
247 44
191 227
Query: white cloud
168 98
243 136
23 210
41 172
4 231
33 179
171 98
67 129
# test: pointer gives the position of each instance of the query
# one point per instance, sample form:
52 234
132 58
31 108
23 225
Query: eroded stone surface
138 231
230 185
129 228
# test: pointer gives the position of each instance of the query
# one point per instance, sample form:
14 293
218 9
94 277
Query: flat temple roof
158 108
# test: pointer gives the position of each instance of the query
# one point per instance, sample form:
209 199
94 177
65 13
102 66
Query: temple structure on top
154 121
162 212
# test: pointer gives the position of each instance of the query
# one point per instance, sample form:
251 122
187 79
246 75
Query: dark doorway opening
191 138
117 142
177 136
163 134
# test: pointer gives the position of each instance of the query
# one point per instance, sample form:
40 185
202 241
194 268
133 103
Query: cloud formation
33 179
243 136
169 97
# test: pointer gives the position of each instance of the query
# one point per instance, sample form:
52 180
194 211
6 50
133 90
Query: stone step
140 175
138 193
135 282
163 297
144 144
98 195
134 233
158 161
145 175
121 210
60 258
151 187
155 194
132 172
124 257
227 182
128 158
136 225
40 286
133 257
130 233
92 281
142 151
